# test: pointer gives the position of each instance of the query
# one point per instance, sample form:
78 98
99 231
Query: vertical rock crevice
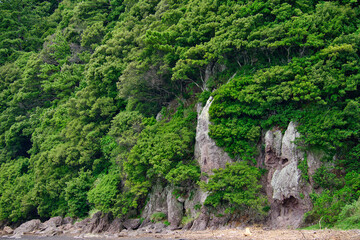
207 153
287 193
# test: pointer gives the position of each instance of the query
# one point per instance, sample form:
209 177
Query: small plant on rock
157 217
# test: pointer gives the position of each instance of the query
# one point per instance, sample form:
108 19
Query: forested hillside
98 101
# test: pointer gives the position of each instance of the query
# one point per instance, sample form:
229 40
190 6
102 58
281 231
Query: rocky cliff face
208 155
288 193
286 189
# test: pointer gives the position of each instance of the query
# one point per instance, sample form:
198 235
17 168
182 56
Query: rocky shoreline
100 227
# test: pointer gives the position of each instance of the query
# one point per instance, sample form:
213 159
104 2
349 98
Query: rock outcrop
132 224
287 192
52 222
157 201
209 156
27 227
207 153
175 209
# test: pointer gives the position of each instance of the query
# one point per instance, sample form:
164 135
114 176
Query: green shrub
204 96
303 167
235 187
349 217
157 217
105 191
330 203
184 175
160 149
76 194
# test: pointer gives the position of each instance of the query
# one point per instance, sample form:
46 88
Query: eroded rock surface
209 157
287 192
157 201
27 227
207 153
116 226
175 209
132 224
52 222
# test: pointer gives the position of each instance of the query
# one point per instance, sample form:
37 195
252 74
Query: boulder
103 223
8 230
66 227
175 209
51 231
93 223
188 225
116 226
52 222
82 224
153 228
132 224
67 220
202 221
27 227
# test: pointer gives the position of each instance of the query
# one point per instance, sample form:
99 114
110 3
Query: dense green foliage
81 83
349 218
237 188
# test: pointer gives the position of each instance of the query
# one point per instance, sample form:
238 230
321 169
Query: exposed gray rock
132 224
218 222
8 230
175 209
285 182
273 141
313 161
67 220
188 225
52 222
159 116
50 231
66 227
157 201
289 149
103 224
115 226
82 224
27 227
94 222
288 195
154 228
201 222
208 155
194 202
